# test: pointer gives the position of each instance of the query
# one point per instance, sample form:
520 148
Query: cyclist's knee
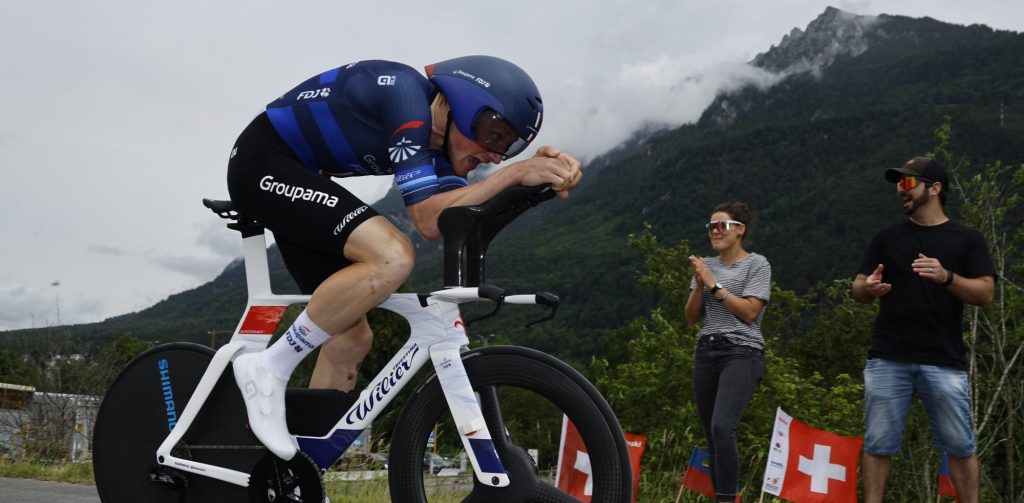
382 246
402 258
393 263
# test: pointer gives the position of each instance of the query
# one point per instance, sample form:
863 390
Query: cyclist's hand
552 167
874 284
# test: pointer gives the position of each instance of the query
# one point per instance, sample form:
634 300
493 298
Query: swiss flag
810 465
574 475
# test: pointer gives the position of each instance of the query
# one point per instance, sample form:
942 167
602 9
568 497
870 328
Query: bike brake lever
490 292
546 299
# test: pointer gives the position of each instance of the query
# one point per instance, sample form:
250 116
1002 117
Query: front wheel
524 394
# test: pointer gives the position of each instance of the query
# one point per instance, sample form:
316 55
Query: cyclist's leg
337 366
382 259
340 358
269 184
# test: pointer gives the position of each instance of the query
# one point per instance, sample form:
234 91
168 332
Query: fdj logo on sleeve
316 93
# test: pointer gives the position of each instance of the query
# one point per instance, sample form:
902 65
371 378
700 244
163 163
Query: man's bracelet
949 278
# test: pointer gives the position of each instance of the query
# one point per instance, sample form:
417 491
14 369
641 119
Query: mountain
853 95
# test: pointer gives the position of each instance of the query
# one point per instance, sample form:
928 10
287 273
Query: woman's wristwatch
715 289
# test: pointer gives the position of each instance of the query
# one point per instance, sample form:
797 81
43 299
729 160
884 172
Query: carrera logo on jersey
386 80
348 218
316 93
405 177
295 192
402 150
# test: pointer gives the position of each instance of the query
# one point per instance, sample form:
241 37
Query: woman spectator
728 294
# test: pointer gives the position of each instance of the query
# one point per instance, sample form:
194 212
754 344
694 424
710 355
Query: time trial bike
173 425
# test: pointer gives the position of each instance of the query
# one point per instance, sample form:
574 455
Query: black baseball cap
923 167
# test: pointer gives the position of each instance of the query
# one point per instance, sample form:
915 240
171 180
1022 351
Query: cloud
220 244
106 250
201 268
218 239
25 307
661 92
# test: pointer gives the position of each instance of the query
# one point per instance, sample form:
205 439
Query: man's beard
918 202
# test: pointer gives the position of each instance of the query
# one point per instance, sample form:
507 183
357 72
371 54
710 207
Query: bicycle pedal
168 478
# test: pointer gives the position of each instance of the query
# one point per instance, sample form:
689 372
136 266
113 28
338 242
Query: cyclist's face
466 155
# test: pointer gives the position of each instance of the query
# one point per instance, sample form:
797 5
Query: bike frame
438 334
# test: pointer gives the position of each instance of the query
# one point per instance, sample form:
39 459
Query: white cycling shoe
263 393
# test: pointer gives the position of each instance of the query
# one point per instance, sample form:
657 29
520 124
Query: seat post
257 268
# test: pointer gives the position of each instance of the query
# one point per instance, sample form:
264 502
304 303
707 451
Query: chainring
274 480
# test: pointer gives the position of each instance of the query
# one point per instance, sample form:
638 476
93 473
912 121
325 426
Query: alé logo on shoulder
384 387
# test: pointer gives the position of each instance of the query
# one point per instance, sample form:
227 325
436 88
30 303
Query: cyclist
371 118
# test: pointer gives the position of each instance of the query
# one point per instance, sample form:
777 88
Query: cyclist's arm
539 170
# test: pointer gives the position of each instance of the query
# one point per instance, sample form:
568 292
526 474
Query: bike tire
133 421
493 370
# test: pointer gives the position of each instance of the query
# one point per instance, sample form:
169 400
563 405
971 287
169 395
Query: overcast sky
116 118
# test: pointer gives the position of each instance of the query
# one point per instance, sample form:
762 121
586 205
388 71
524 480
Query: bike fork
463 402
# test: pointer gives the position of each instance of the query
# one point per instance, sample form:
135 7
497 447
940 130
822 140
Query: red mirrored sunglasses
909 182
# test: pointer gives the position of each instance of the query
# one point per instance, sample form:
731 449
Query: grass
363 491
74 473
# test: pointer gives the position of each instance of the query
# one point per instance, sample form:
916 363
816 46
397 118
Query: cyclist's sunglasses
491 131
721 226
908 182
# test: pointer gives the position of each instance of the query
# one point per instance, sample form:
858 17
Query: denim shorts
889 387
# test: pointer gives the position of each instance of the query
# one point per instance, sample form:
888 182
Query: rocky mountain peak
833 34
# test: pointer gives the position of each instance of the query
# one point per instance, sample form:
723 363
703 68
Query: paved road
37 491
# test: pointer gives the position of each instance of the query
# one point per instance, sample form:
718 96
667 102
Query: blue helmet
493 102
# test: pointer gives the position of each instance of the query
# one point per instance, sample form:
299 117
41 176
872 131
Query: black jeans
724 378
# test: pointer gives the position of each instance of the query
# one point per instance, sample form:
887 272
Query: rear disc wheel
139 410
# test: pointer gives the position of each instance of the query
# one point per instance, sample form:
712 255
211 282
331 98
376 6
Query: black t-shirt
919 320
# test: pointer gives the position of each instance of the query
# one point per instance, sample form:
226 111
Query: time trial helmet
493 102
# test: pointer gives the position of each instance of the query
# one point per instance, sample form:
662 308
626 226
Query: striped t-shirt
750 276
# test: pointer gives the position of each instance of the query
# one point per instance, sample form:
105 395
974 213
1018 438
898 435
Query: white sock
296 343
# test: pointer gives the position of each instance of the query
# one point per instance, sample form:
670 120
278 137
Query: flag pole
761 499
681 487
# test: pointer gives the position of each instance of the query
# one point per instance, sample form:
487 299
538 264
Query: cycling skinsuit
365 118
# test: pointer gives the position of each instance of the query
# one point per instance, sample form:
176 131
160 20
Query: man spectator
924 270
